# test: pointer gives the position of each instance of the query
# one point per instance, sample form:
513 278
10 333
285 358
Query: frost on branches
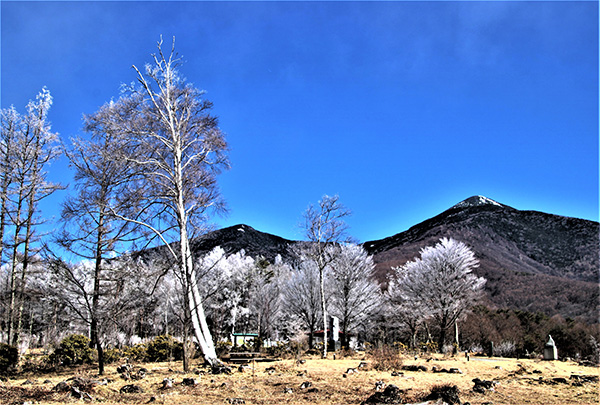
439 286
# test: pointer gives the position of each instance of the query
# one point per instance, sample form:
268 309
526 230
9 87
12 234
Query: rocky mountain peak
477 201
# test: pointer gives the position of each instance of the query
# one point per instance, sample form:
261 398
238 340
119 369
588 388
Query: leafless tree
440 282
325 228
169 134
90 231
31 150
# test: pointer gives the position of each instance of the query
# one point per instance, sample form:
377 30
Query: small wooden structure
239 339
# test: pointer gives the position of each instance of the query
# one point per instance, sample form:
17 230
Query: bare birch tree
325 228
170 135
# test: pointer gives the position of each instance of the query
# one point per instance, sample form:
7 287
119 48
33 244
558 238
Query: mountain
532 260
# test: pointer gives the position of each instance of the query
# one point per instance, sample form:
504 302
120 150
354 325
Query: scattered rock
131 389
390 395
582 379
47 382
62 386
197 371
270 370
351 371
300 361
455 370
123 368
288 390
313 389
224 385
78 394
28 382
536 372
363 365
243 367
305 384
301 373
397 374
521 369
190 382
167 383
221 369
140 374
482 386
413 367
235 401
379 385
560 380
152 399
447 393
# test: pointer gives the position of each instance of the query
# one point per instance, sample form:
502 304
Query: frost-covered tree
301 295
355 293
265 298
325 228
224 282
29 146
168 133
440 282
241 293
409 311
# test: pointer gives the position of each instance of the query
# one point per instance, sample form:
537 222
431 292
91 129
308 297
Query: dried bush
385 358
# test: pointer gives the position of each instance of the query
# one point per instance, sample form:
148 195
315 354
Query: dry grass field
519 382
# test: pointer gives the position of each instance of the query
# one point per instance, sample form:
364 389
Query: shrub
73 350
9 356
164 348
137 352
112 355
430 347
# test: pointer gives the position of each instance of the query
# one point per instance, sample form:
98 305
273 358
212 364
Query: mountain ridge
532 260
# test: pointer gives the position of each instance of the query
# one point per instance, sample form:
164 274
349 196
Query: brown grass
520 382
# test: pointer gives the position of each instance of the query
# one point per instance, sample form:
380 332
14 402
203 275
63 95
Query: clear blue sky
401 108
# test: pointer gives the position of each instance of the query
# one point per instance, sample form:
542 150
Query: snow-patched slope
477 201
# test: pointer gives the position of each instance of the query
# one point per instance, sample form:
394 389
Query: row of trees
27 147
145 175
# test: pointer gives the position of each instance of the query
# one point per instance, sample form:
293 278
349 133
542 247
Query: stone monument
550 352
